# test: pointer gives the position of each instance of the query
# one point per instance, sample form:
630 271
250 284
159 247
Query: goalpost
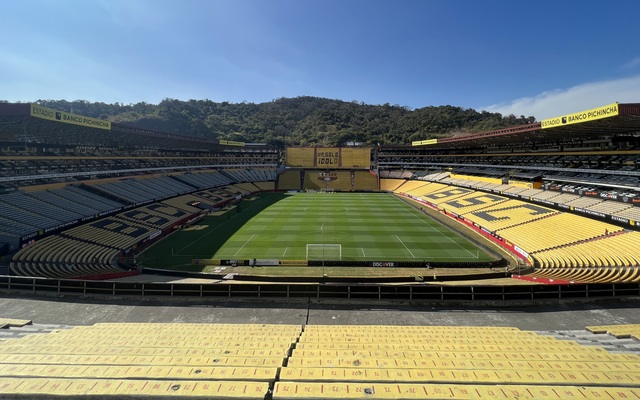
326 251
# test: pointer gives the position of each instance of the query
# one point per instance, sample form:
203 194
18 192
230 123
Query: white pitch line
363 255
437 230
285 251
177 253
245 243
405 246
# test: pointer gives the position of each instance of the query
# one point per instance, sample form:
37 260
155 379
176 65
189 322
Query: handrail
419 292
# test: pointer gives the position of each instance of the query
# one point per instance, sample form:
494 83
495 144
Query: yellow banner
424 142
231 143
359 157
60 116
610 110
300 157
327 157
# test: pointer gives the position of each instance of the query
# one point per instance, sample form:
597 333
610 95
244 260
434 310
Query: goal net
327 251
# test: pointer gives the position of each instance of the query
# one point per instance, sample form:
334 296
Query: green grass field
371 226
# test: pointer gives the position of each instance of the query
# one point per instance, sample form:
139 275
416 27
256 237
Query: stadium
108 214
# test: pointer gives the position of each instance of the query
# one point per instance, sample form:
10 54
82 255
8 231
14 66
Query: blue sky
541 58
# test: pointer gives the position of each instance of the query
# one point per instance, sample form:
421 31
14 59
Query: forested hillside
295 121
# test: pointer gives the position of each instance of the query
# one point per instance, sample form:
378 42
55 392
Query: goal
327 251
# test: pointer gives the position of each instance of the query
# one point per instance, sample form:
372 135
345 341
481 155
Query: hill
296 121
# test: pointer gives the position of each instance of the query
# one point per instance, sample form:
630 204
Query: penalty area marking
245 243
285 251
435 229
362 250
405 246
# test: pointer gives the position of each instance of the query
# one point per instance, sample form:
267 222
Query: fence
412 292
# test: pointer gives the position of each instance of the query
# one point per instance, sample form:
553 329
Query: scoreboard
328 157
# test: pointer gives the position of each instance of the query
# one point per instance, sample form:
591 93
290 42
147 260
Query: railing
412 292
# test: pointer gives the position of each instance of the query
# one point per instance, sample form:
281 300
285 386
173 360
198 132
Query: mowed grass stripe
279 226
367 226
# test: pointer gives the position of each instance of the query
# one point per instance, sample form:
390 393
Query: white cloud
564 101
634 62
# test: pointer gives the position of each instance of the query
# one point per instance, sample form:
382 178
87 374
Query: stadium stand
508 185
421 362
290 180
556 230
244 188
62 257
266 186
565 245
365 181
606 259
312 181
203 180
90 249
320 361
121 360
474 201
391 185
184 203
334 180
618 331
409 186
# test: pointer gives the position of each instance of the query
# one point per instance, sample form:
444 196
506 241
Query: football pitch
317 226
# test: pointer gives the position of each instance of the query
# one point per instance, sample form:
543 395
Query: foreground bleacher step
248 361
319 391
45 388
65 359
213 361
426 358
138 372
214 353
629 377
12 322
618 331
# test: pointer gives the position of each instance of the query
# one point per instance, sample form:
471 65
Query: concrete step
34 328
586 338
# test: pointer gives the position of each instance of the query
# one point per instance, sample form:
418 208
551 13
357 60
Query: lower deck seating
390 184
365 180
565 245
266 186
419 188
245 188
64 257
429 362
90 250
612 258
556 230
141 360
148 361
289 180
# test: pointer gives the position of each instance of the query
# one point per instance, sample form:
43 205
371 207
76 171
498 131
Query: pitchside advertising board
60 116
328 157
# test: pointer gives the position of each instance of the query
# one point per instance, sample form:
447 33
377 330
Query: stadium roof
606 121
46 125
